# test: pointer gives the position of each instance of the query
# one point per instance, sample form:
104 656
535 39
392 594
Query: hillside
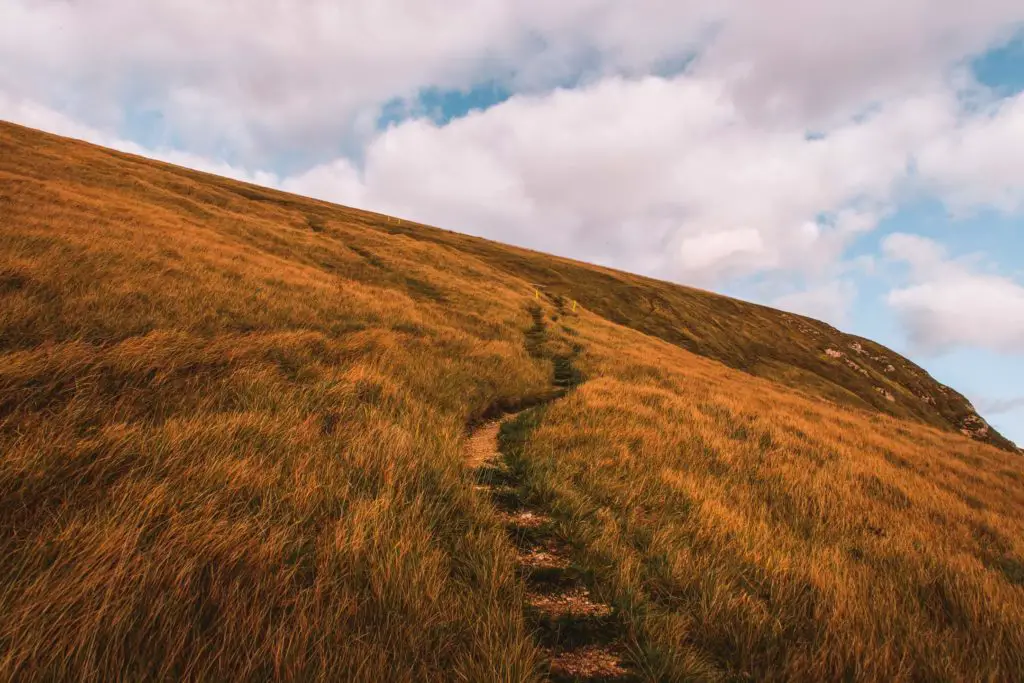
804 353
232 425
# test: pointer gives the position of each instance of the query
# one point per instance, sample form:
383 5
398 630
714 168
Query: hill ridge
742 335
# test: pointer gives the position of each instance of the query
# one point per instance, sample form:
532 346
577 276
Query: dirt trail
578 634
483 444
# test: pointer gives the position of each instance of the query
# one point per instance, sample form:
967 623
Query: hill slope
802 352
232 423
799 351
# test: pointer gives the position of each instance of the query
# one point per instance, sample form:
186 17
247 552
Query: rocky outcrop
975 427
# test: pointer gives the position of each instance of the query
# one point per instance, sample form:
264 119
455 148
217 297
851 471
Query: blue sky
1001 67
984 376
860 163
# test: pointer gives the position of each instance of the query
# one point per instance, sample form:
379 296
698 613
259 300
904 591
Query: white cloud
654 171
948 305
722 248
813 61
338 180
968 310
265 77
830 301
926 257
981 161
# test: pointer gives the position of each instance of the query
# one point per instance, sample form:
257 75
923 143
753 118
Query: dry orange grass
231 423
750 533
232 444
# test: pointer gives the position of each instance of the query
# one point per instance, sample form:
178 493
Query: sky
861 163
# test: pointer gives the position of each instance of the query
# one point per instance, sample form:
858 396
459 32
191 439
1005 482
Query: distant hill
232 433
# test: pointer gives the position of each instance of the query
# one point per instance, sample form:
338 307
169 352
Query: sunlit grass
231 424
749 532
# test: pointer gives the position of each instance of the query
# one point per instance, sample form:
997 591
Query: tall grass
230 434
748 533
231 444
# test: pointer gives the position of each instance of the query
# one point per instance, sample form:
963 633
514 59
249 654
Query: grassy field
231 424
747 533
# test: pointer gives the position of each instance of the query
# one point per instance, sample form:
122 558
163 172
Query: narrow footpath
580 636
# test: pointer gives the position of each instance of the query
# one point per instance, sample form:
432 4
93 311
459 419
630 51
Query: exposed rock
890 368
888 396
832 353
974 426
857 367
858 348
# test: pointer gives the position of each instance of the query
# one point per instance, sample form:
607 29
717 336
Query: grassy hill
231 432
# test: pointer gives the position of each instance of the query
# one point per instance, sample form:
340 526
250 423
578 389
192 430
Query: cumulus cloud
264 77
338 181
664 172
947 305
926 257
830 301
816 62
981 161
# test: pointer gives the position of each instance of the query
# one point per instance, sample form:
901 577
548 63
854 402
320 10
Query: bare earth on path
551 602
482 445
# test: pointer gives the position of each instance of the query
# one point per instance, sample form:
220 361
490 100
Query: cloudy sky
859 162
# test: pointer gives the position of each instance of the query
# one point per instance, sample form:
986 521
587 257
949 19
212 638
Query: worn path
578 634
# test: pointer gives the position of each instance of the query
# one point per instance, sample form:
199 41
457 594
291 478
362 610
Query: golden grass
231 424
747 532
231 445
